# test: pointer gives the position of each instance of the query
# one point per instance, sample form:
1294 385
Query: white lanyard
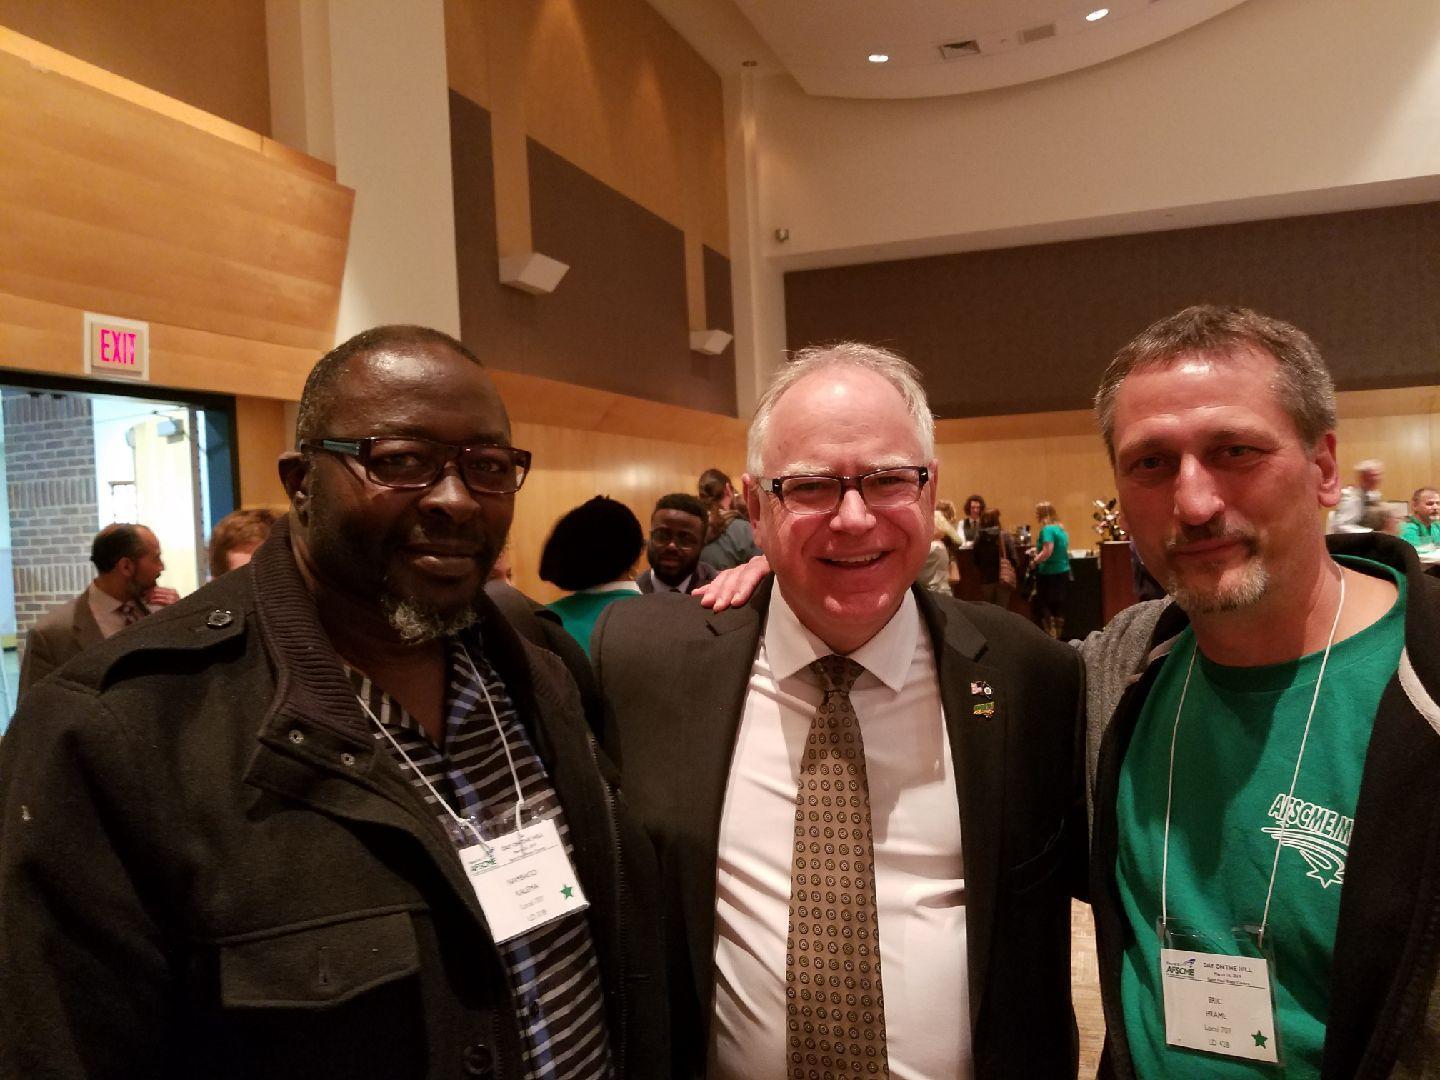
460 823
1289 799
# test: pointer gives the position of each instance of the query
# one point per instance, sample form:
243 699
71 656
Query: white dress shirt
915 819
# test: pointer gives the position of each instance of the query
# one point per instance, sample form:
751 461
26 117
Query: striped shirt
553 975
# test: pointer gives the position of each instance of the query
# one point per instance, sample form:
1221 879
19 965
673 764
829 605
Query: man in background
127 569
1263 746
1362 508
677 533
863 794
1422 527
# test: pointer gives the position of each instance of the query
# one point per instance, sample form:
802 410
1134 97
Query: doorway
75 457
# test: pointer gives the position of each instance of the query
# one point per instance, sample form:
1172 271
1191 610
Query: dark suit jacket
674 677
540 626
703 575
61 632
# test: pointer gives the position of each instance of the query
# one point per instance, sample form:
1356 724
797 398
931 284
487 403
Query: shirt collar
661 586
102 603
610 586
790 646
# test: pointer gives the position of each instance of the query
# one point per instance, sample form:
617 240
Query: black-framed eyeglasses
681 539
411 463
882 489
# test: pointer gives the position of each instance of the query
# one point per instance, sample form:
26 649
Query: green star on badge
568 891
1260 1038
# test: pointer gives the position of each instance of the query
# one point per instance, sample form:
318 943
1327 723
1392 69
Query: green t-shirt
1424 537
1059 560
1234 758
580 611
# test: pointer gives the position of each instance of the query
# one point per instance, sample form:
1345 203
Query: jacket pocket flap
311 967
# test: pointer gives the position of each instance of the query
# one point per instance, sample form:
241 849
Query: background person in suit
677 531
128 565
846 757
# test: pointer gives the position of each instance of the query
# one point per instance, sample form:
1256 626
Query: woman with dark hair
1052 568
970 523
993 544
729 540
592 552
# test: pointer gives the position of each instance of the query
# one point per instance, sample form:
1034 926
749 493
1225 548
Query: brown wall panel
618 320
211 54
1031 329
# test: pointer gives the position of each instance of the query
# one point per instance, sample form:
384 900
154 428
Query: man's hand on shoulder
733 587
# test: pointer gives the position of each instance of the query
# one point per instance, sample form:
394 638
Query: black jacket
674 677
210 868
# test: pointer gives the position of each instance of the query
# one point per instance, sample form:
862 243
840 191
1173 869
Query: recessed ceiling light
1097 14
878 57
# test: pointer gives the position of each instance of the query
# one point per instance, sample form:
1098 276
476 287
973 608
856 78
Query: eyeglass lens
418 463
881 490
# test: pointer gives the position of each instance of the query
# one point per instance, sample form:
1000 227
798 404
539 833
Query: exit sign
117 348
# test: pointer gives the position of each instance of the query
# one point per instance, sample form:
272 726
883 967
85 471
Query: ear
934 485
1323 457
752 507
295 476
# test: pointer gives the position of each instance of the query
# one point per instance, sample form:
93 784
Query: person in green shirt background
592 551
1052 567
1422 527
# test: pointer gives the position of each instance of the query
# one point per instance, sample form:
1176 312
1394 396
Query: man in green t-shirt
1422 527
1264 745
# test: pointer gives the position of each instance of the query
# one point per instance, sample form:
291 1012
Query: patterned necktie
834 1002
130 611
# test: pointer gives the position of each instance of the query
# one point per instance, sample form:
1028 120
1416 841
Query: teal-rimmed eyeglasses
410 463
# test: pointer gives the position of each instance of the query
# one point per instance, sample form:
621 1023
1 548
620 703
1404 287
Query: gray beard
1216 599
417 625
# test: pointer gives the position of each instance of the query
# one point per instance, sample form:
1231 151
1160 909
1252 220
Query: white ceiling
824 44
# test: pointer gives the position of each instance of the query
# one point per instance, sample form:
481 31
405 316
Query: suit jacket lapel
974 703
86 629
718 666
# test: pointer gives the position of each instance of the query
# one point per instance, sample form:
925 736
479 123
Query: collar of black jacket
310 680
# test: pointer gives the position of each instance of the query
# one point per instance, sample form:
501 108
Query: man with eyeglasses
330 816
865 798
677 532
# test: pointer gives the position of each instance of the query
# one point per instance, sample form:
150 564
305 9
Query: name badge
1219 1004
523 879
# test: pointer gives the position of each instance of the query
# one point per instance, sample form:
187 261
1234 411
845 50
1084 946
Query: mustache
1186 535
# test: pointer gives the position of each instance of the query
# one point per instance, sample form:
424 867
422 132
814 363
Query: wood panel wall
589 131
609 86
211 55
1031 329
118 199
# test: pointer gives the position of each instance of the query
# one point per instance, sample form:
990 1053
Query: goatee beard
417 625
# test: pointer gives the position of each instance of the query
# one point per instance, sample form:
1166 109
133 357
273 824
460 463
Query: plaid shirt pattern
553 975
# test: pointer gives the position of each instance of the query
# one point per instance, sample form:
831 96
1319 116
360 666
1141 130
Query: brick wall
50 474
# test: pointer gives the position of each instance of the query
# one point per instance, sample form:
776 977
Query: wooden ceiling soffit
531 399
117 199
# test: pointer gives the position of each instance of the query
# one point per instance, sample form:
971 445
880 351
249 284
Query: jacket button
218 619
478 1061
